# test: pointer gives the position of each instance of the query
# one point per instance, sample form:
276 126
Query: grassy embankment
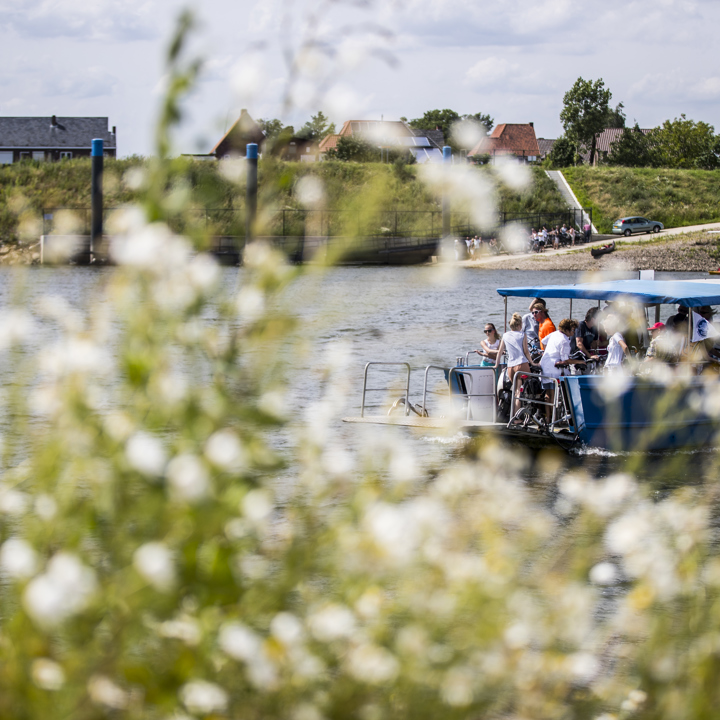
676 198
27 189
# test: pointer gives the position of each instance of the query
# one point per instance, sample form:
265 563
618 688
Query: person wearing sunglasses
546 325
490 345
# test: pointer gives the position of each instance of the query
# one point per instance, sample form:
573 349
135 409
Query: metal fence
289 223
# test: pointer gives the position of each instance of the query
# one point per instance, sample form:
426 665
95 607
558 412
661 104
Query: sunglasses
489 330
536 312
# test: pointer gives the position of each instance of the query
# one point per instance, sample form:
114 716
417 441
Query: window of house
25 155
65 154
38 155
6 157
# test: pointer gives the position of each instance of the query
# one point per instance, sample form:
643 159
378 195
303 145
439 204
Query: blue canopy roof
650 292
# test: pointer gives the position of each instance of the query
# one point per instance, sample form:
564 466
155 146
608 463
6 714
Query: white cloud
90 83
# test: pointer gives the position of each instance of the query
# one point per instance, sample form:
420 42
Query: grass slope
676 198
28 188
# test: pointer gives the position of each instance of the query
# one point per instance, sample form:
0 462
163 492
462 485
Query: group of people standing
472 247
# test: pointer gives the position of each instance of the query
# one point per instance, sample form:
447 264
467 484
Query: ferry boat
655 411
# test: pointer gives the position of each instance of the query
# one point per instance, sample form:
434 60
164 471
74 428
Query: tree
683 143
445 119
616 118
586 107
632 149
352 149
562 153
318 127
271 128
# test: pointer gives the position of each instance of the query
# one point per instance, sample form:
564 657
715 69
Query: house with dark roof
389 134
53 138
509 139
235 141
545 146
604 142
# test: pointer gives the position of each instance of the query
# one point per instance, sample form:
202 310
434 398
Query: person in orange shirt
547 326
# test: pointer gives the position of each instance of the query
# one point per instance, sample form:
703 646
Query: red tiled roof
509 139
329 142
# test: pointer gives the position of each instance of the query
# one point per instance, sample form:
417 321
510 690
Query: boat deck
425 422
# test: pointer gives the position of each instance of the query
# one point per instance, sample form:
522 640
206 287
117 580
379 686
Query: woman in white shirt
617 348
556 357
514 343
490 345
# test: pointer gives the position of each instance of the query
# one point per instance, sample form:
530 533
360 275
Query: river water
421 315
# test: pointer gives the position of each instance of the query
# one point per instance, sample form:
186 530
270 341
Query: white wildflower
47 674
583 666
12 502
64 589
306 711
75 355
372 664
103 691
146 454
183 628
248 77
604 573
287 628
338 461
188 478
154 561
239 641
16 327
45 506
151 246
18 558
332 623
512 173
203 698
274 403
467 133
250 303
457 687
203 272
253 566
257 505
225 450
517 636
310 191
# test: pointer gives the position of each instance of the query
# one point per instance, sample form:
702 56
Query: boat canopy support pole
505 330
571 308
657 313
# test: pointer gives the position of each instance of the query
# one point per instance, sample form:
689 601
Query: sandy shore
692 252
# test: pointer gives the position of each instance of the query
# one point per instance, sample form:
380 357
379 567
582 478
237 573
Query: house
53 138
235 141
390 134
604 142
545 146
509 139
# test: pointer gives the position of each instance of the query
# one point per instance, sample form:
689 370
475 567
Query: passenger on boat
617 347
586 335
515 344
660 349
547 326
530 326
679 319
556 357
490 346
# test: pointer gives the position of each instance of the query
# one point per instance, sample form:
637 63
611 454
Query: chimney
53 121
532 125
114 132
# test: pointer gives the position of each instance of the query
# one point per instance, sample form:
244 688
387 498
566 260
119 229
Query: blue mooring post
251 191
96 192
447 159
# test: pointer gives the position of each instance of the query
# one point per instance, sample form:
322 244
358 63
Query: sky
356 59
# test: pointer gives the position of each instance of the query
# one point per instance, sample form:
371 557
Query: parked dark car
636 224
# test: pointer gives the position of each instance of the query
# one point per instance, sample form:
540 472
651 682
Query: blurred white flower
310 191
467 133
183 628
203 272
287 628
152 246
225 450
233 169
372 664
154 561
172 386
604 573
239 641
514 174
59 309
247 77
338 461
18 558
257 505
13 502
16 326
514 237
203 698
188 477
64 589
583 666
146 454
274 403
332 623
306 711
253 566
457 686
75 355
250 303
45 506
103 691
47 674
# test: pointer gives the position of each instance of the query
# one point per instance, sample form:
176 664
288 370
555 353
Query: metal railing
366 389
525 401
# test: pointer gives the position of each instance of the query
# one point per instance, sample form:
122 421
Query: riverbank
16 254
691 252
